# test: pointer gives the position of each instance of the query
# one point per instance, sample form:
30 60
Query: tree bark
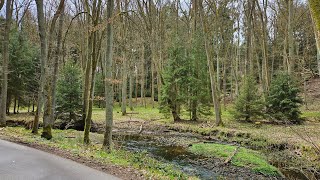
43 62
142 77
108 81
314 6
124 84
291 60
5 63
95 45
130 90
88 65
265 69
49 108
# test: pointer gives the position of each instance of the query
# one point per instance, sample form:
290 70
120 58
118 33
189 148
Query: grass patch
244 157
310 114
72 141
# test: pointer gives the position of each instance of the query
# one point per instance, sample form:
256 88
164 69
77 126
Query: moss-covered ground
242 157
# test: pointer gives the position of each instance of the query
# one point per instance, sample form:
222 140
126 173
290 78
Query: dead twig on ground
232 155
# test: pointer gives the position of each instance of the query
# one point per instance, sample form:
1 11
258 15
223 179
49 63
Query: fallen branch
132 112
141 129
232 155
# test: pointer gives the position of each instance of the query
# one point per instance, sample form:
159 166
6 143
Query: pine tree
249 104
283 101
69 89
175 77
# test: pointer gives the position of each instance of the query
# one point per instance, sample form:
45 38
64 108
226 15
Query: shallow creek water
182 159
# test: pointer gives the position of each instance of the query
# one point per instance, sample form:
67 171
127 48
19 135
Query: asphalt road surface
20 162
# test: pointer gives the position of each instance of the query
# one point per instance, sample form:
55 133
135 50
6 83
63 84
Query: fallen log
232 155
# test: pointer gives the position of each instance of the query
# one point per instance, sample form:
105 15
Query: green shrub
249 104
283 100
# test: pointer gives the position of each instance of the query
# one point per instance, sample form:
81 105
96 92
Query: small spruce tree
249 104
283 101
69 89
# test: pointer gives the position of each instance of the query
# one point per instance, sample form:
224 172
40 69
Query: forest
165 89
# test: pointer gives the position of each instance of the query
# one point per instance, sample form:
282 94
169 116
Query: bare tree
314 8
108 79
43 62
51 73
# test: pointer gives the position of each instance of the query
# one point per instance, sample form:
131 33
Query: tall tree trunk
142 77
57 59
108 81
48 113
291 60
265 69
136 86
43 62
88 65
314 6
94 59
214 89
5 63
130 90
15 105
249 38
124 84
152 81
18 105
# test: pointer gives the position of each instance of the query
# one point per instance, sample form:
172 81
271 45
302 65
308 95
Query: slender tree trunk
142 78
291 60
224 84
5 63
56 66
315 14
124 84
33 105
29 106
49 91
108 81
130 90
15 105
136 87
18 105
43 62
265 69
249 38
214 89
94 59
152 82
88 65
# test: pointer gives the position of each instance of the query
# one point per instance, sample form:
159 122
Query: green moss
243 158
46 133
310 114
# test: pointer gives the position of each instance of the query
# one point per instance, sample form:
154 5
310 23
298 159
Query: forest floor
287 147
291 148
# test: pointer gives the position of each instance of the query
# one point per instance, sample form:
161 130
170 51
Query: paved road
18 162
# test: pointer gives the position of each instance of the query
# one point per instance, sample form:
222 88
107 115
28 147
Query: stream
163 149
185 161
